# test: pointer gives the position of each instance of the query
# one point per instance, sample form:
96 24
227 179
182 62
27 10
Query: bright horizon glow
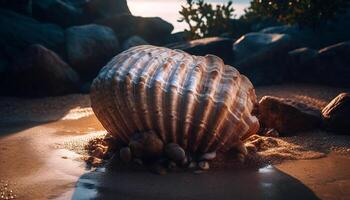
169 9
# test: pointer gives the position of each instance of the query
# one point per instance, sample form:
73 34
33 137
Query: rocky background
56 47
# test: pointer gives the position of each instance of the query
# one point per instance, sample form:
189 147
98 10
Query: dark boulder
106 8
336 114
132 42
287 116
334 65
152 29
262 56
18 32
325 35
328 66
19 6
302 64
221 47
90 47
41 72
173 38
58 12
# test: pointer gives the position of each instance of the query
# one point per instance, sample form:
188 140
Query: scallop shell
198 102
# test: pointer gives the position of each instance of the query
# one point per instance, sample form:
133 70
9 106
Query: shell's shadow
121 183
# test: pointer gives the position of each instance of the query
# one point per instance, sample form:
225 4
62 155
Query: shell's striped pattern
198 102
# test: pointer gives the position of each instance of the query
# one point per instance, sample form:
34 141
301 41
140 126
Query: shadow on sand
264 183
18 114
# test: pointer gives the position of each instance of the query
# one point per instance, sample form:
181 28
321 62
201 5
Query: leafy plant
205 20
305 13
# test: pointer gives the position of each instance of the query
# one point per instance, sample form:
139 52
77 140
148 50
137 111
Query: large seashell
197 102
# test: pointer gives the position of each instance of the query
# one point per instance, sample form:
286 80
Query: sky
169 9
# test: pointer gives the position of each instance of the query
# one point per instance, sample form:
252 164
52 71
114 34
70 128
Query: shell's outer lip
198 102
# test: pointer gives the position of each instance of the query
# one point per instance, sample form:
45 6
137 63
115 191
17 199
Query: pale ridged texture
198 102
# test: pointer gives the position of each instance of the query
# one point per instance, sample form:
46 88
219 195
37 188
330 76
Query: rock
208 156
178 37
125 154
326 66
136 148
192 165
251 148
302 64
302 36
41 72
132 42
203 165
172 165
287 116
219 46
152 29
337 114
158 169
19 6
261 56
18 32
106 8
90 47
99 152
174 152
137 161
327 34
271 133
58 12
333 65
153 146
147 145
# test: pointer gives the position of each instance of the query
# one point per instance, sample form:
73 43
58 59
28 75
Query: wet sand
41 148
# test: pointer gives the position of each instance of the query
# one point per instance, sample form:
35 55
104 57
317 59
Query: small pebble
125 154
158 169
172 165
208 156
251 148
184 162
204 165
136 149
138 161
271 133
175 152
192 165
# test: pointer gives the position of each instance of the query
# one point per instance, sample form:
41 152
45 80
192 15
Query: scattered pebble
172 165
251 148
208 156
136 148
203 165
192 165
137 161
175 152
158 169
272 133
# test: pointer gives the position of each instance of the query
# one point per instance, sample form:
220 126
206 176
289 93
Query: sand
42 145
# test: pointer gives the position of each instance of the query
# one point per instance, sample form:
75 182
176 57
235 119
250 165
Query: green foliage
305 13
204 20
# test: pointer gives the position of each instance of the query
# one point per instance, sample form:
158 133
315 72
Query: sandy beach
41 149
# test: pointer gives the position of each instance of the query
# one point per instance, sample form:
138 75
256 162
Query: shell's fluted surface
198 102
